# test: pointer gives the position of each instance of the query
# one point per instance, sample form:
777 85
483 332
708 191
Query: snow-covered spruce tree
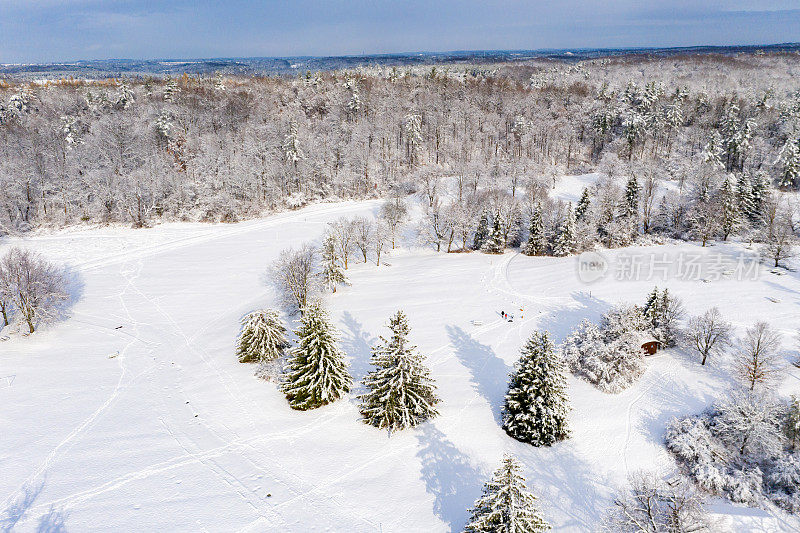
400 392
263 337
495 243
744 195
482 232
789 164
565 242
583 204
536 403
793 422
506 505
332 273
730 215
631 206
317 372
662 312
537 240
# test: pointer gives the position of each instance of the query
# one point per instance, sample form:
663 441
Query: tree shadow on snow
449 476
563 321
356 343
19 506
562 480
489 372
53 522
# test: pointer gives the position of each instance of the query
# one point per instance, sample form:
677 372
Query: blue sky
64 30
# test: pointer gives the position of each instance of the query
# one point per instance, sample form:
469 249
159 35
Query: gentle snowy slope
173 434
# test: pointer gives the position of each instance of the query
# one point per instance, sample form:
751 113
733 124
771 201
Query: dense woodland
222 149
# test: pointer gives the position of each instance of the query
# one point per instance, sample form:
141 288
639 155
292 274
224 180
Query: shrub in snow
506 505
536 404
611 366
263 337
400 392
622 320
737 450
317 373
749 424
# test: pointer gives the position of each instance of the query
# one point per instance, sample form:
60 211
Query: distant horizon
416 52
59 31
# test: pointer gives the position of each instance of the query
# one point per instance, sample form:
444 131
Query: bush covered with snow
739 450
612 365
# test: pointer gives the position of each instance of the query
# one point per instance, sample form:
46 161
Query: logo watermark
661 266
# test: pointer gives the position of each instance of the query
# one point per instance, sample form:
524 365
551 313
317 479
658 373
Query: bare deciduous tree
362 235
344 231
757 362
34 286
708 333
652 505
394 212
295 278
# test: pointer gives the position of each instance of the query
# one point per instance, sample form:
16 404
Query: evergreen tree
317 373
789 161
729 222
506 506
332 273
495 243
760 189
536 404
661 312
631 207
171 89
651 307
744 191
566 242
263 337
482 232
400 392
583 204
537 240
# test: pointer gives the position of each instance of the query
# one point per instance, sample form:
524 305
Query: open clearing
173 434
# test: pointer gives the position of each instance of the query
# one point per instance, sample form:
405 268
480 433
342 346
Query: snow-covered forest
139 151
372 300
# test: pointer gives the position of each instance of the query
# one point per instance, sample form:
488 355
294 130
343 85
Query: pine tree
651 308
729 222
332 273
789 161
565 243
317 373
537 240
536 404
631 207
263 337
759 191
495 243
744 191
400 392
482 232
506 506
583 205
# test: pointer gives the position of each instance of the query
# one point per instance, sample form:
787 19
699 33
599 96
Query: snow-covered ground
173 434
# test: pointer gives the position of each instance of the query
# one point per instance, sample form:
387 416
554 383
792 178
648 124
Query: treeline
223 149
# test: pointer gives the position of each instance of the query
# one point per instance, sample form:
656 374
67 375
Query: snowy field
173 434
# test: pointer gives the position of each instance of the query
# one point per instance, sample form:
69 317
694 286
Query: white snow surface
173 434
